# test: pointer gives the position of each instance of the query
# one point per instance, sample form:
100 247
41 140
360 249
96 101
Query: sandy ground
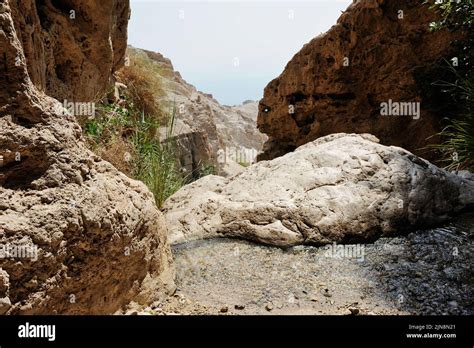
424 272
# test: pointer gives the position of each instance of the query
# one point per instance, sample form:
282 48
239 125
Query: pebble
239 307
453 304
327 293
354 310
269 307
224 309
264 275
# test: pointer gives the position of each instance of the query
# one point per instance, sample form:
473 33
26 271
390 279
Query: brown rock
388 57
193 152
92 238
72 47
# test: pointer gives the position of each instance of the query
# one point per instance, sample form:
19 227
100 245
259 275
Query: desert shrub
207 169
129 128
143 82
158 165
457 144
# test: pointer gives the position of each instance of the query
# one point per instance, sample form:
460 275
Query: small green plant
131 128
244 164
457 137
157 166
454 14
207 169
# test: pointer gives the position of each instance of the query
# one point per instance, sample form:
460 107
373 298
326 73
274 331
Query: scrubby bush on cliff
143 85
458 135
126 134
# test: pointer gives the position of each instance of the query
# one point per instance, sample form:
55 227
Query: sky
230 49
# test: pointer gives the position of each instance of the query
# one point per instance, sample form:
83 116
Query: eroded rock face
76 235
340 188
193 152
337 82
229 130
72 46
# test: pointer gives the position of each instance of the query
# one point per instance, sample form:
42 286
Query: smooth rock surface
340 188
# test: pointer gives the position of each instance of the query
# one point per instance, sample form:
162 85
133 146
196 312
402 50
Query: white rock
340 188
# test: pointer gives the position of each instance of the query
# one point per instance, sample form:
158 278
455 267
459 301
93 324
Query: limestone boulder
342 188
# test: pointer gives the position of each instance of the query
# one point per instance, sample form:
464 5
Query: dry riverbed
424 272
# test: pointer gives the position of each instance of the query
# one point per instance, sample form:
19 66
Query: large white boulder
340 188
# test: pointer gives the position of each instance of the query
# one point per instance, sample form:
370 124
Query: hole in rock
296 97
24 122
330 61
303 120
62 5
341 96
19 174
63 70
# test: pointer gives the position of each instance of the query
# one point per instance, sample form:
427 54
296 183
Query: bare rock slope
379 50
226 129
76 235
340 188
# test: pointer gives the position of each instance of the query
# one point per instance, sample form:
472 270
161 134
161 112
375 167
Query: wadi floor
424 272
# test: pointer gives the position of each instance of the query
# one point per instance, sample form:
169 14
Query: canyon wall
76 235
208 132
379 50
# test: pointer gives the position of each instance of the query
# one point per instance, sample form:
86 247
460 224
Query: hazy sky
230 49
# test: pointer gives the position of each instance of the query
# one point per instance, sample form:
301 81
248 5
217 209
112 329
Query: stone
326 293
72 59
354 310
269 307
5 305
193 152
93 238
224 309
387 58
343 188
230 168
239 307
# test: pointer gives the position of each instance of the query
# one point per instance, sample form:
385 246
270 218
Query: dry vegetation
124 130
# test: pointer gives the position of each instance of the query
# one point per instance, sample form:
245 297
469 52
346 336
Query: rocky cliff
76 235
379 51
226 130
